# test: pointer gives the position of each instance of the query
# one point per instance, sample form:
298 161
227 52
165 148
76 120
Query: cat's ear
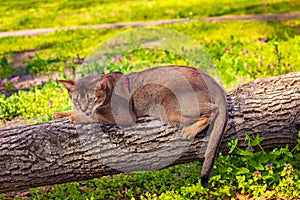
102 84
69 84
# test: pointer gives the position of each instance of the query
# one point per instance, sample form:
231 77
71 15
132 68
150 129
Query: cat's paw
72 119
80 118
59 115
56 116
189 133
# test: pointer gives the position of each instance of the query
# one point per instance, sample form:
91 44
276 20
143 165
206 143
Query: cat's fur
178 95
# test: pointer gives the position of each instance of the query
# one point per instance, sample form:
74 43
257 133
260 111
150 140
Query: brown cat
178 95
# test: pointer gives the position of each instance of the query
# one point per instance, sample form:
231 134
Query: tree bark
58 152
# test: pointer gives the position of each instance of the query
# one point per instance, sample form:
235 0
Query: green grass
38 102
258 39
17 15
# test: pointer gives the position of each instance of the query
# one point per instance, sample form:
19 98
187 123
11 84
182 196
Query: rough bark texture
58 152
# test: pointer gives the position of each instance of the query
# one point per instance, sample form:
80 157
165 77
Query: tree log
59 152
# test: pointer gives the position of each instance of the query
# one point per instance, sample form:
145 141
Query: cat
180 96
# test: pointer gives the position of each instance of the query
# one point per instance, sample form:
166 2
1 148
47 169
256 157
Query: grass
17 15
258 41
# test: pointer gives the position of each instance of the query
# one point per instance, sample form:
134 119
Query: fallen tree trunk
58 152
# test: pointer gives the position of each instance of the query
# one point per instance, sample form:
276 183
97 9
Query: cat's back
171 77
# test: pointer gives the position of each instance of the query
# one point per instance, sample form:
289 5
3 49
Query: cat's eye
76 101
91 100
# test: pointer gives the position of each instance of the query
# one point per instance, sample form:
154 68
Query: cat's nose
83 109
88 114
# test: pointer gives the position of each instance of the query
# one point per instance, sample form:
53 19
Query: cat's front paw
189 133
80 118
59 115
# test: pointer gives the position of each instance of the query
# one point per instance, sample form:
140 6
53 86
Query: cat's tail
216 132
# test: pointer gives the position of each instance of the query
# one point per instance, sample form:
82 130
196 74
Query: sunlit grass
241 50
16 15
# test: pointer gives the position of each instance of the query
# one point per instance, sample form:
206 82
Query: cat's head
87 93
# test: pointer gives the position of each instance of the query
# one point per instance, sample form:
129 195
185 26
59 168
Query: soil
19 57
26 80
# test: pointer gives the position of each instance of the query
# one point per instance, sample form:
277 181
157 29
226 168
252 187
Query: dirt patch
20 57
29 80
26 81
